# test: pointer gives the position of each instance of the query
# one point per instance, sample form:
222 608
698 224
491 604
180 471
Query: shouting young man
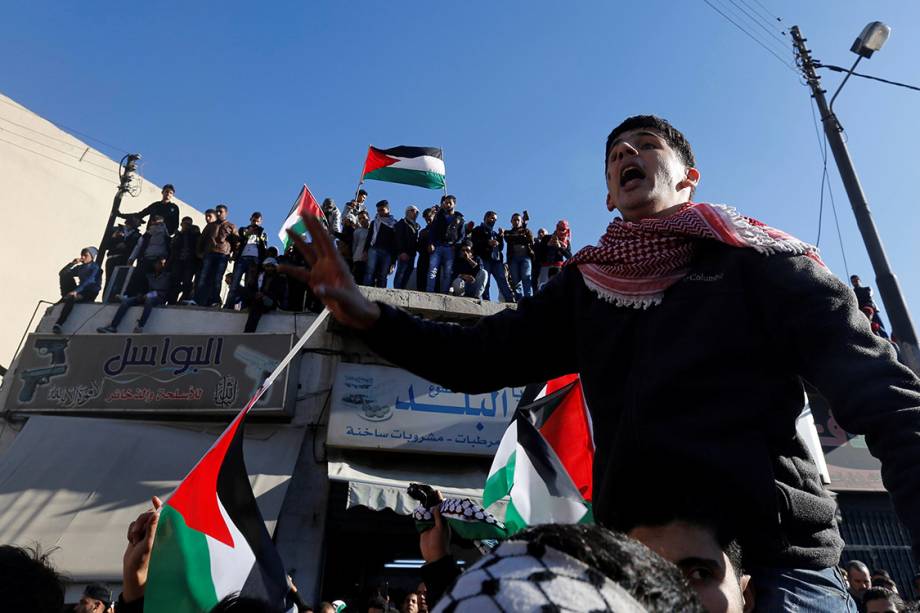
692 327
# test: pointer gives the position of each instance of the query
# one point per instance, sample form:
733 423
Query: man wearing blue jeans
406 231
381 242
218 238
158 287
446 233
520 257
250 251
488 244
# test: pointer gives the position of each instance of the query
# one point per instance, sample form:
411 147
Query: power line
752 37
63 127
107 180
49 137
826 180
778 19
32 140
767 20
758 23
865 76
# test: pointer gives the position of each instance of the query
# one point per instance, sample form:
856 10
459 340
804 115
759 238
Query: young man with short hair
217 238
121 243
519 241
85 270
445 234
679 397
184 263
406 243
381 247
249 251
153 246
158 286
488 245
165 208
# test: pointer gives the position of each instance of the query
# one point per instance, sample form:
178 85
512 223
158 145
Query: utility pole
126 170
902 327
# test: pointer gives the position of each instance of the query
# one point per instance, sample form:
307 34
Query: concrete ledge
436 306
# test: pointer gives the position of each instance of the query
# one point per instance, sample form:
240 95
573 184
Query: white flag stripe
230 566
426 163
505 448
533 500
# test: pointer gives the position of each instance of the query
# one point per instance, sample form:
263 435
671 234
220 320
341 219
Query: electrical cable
32 140
107 180
866 76
768 19
759 24
826 180
81 146
823 153
752 37
62 126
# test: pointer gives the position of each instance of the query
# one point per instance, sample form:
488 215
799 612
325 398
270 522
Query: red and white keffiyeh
635 262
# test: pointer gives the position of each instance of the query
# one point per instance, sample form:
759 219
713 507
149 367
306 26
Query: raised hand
328 276
136 560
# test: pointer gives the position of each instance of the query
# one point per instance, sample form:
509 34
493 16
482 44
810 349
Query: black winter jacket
406 237
694 401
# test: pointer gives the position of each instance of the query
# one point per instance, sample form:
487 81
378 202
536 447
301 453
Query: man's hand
136 560
75 261
434 542
430 248
328 276
493 243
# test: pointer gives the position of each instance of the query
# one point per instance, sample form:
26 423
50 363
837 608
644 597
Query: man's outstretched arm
514 347
831 344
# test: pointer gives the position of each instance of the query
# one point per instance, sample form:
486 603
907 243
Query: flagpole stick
445 172
361 178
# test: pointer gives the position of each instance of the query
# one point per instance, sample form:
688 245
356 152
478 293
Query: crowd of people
173 261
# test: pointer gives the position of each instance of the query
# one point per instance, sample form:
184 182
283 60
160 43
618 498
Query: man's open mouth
631 173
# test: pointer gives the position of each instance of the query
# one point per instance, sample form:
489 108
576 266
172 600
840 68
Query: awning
378 480
77 483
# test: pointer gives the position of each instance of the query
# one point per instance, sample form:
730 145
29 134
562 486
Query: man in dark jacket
488 244
217 241
85 270
264 293
424 254
682 403
381 246
249 251
406 244
165 208
158 286
445 234
183 260
120 245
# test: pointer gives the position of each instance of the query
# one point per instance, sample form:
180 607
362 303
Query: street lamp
869 41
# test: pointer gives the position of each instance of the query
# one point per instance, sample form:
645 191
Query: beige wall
53 204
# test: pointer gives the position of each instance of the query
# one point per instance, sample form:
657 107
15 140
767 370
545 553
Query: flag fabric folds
421 166
526 468
465 518
304 205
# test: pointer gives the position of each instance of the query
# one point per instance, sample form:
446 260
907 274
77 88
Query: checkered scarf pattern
634 263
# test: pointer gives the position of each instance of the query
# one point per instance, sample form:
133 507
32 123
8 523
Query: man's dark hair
650 579
187 219
383 203
234 603
255 214
169 186
450 197
671 135
221 206
489 213
857 565
361 192
881 593
210 211
28 582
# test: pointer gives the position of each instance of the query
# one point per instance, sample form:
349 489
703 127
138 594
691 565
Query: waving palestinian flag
211 540
304 205
422 166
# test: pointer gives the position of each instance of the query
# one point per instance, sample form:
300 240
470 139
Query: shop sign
148 373
380 407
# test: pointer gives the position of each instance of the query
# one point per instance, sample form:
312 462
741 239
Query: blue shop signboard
380 407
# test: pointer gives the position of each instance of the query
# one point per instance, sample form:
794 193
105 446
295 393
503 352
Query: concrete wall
56 196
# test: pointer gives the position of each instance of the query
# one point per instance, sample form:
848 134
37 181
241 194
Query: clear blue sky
238 103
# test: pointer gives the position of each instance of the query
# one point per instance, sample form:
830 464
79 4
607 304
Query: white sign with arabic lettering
388 408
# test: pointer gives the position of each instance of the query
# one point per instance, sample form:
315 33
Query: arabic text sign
387 408
148 373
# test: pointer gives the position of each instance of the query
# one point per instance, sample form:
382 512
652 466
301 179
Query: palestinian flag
304 205
559 412
211 540
422 166
527 468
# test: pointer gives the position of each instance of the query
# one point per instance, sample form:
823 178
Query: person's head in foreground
570 568
649 167
859 579
96 598
708 559
882 600
28 582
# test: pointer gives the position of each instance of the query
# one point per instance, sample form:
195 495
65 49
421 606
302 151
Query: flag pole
361 179
445 172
